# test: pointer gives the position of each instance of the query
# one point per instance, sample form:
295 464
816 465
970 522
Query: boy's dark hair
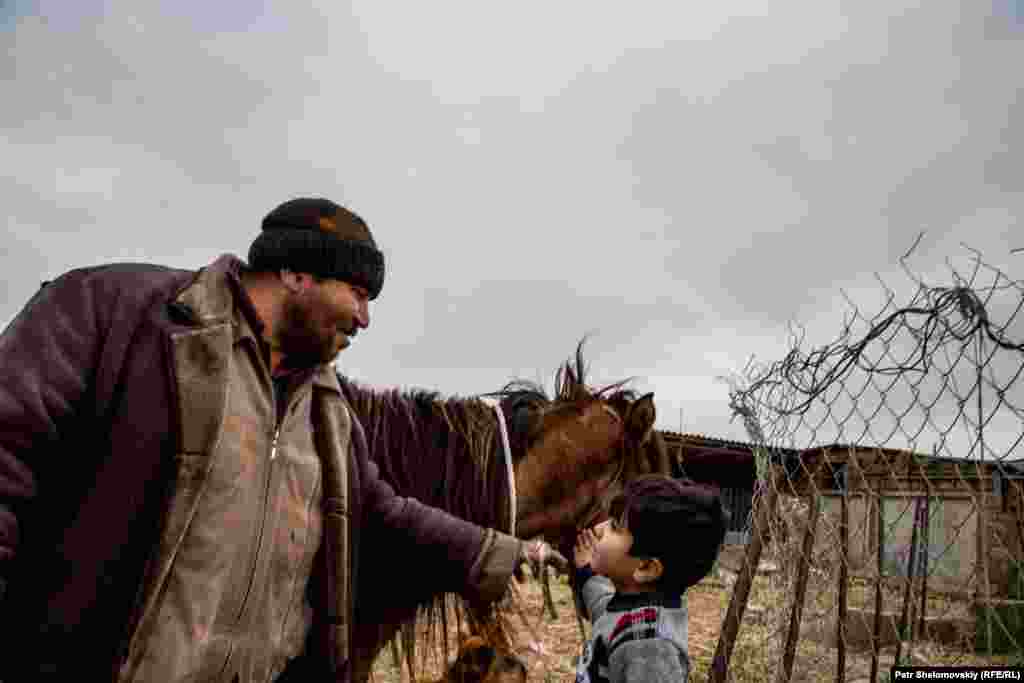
679 522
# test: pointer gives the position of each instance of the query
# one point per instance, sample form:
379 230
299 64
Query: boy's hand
534 551
583 551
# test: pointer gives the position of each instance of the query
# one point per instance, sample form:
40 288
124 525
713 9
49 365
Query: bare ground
560 642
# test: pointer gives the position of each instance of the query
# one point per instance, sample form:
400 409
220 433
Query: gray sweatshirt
636 638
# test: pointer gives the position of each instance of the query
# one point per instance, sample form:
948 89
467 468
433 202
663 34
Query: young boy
633 570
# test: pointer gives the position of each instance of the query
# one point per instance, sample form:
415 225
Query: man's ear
649 571
295 282
291 280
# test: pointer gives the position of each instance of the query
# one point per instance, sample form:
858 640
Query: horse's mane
461 435
466 476
526 403
444 452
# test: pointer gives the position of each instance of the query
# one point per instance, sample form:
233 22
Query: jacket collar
623 602
210 300
326 378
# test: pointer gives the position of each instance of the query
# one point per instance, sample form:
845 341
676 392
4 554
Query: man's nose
363 315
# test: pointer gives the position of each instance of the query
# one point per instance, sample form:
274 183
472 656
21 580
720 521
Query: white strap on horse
508 460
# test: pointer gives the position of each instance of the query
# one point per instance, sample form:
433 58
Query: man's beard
301 340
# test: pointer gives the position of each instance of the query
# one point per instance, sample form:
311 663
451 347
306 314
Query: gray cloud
678 182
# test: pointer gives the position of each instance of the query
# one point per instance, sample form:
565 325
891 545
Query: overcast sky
677 180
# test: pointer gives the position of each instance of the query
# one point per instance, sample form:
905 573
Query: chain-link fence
888 517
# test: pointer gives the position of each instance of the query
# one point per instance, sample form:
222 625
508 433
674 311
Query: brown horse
571 454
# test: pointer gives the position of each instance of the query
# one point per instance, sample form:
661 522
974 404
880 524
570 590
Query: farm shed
973 509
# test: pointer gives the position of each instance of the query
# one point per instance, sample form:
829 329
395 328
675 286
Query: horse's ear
640 419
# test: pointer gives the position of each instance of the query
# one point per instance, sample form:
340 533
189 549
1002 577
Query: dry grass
759 646
755 655
561 643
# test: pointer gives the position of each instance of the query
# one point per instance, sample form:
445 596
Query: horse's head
577 451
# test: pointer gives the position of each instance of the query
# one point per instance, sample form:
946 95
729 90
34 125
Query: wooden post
844 577
906 620
549 603
799 592
741 591
982 513
876 642
925 551
982 546
579 607
1020 515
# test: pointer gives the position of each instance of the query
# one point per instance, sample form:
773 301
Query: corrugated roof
704 441
1016 464
716 442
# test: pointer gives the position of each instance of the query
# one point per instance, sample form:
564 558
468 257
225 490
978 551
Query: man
182 486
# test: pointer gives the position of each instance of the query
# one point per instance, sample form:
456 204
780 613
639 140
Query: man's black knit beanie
317 236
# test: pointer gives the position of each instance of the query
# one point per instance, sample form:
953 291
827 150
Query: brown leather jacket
111 393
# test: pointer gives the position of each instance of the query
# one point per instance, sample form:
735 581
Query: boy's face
611 555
